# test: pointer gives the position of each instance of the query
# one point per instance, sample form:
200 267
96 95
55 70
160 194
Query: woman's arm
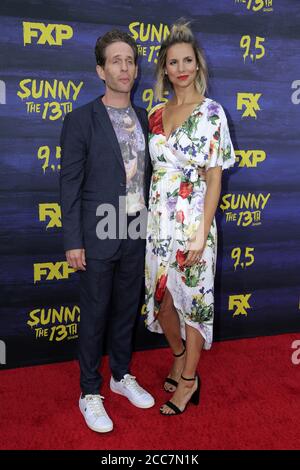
212 196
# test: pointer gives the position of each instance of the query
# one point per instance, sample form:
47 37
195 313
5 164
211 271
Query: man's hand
76 259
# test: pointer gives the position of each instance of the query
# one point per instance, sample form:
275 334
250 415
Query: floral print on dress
176 208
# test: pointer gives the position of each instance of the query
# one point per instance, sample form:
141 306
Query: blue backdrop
48 68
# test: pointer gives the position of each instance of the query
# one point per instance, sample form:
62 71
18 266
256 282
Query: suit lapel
143 123
109 132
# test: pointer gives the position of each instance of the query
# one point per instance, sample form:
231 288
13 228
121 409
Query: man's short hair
109 38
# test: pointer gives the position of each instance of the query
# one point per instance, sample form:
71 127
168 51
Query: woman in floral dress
187 134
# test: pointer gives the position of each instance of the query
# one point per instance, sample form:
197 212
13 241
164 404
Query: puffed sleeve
221 152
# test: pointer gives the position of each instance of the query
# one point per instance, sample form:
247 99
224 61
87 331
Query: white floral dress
175 210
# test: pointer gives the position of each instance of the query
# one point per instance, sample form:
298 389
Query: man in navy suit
105 178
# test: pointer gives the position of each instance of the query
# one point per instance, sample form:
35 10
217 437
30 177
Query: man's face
119 71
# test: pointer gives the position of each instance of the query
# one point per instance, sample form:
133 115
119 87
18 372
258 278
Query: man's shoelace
94 402
132 384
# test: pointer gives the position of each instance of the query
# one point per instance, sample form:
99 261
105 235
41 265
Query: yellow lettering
52 34
44 88
50 89
43 316
35 319
244 201
26 90
134 33
147 32
225 202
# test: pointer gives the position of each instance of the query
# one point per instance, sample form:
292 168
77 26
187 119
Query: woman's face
181 65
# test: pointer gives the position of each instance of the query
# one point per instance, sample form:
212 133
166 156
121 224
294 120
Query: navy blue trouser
110 292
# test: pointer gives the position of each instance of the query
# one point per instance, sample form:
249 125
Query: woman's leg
185 389
169 321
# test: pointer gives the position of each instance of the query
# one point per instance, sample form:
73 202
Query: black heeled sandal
195 398
170 381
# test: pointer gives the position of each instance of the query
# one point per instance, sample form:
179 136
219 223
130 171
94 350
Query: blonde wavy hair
180 33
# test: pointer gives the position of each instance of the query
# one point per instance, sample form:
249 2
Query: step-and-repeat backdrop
48 69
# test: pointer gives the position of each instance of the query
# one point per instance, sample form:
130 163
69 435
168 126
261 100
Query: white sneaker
128 387
91 406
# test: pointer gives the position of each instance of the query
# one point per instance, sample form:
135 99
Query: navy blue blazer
93 173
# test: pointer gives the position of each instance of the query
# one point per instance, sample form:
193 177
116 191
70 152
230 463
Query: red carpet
250 400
